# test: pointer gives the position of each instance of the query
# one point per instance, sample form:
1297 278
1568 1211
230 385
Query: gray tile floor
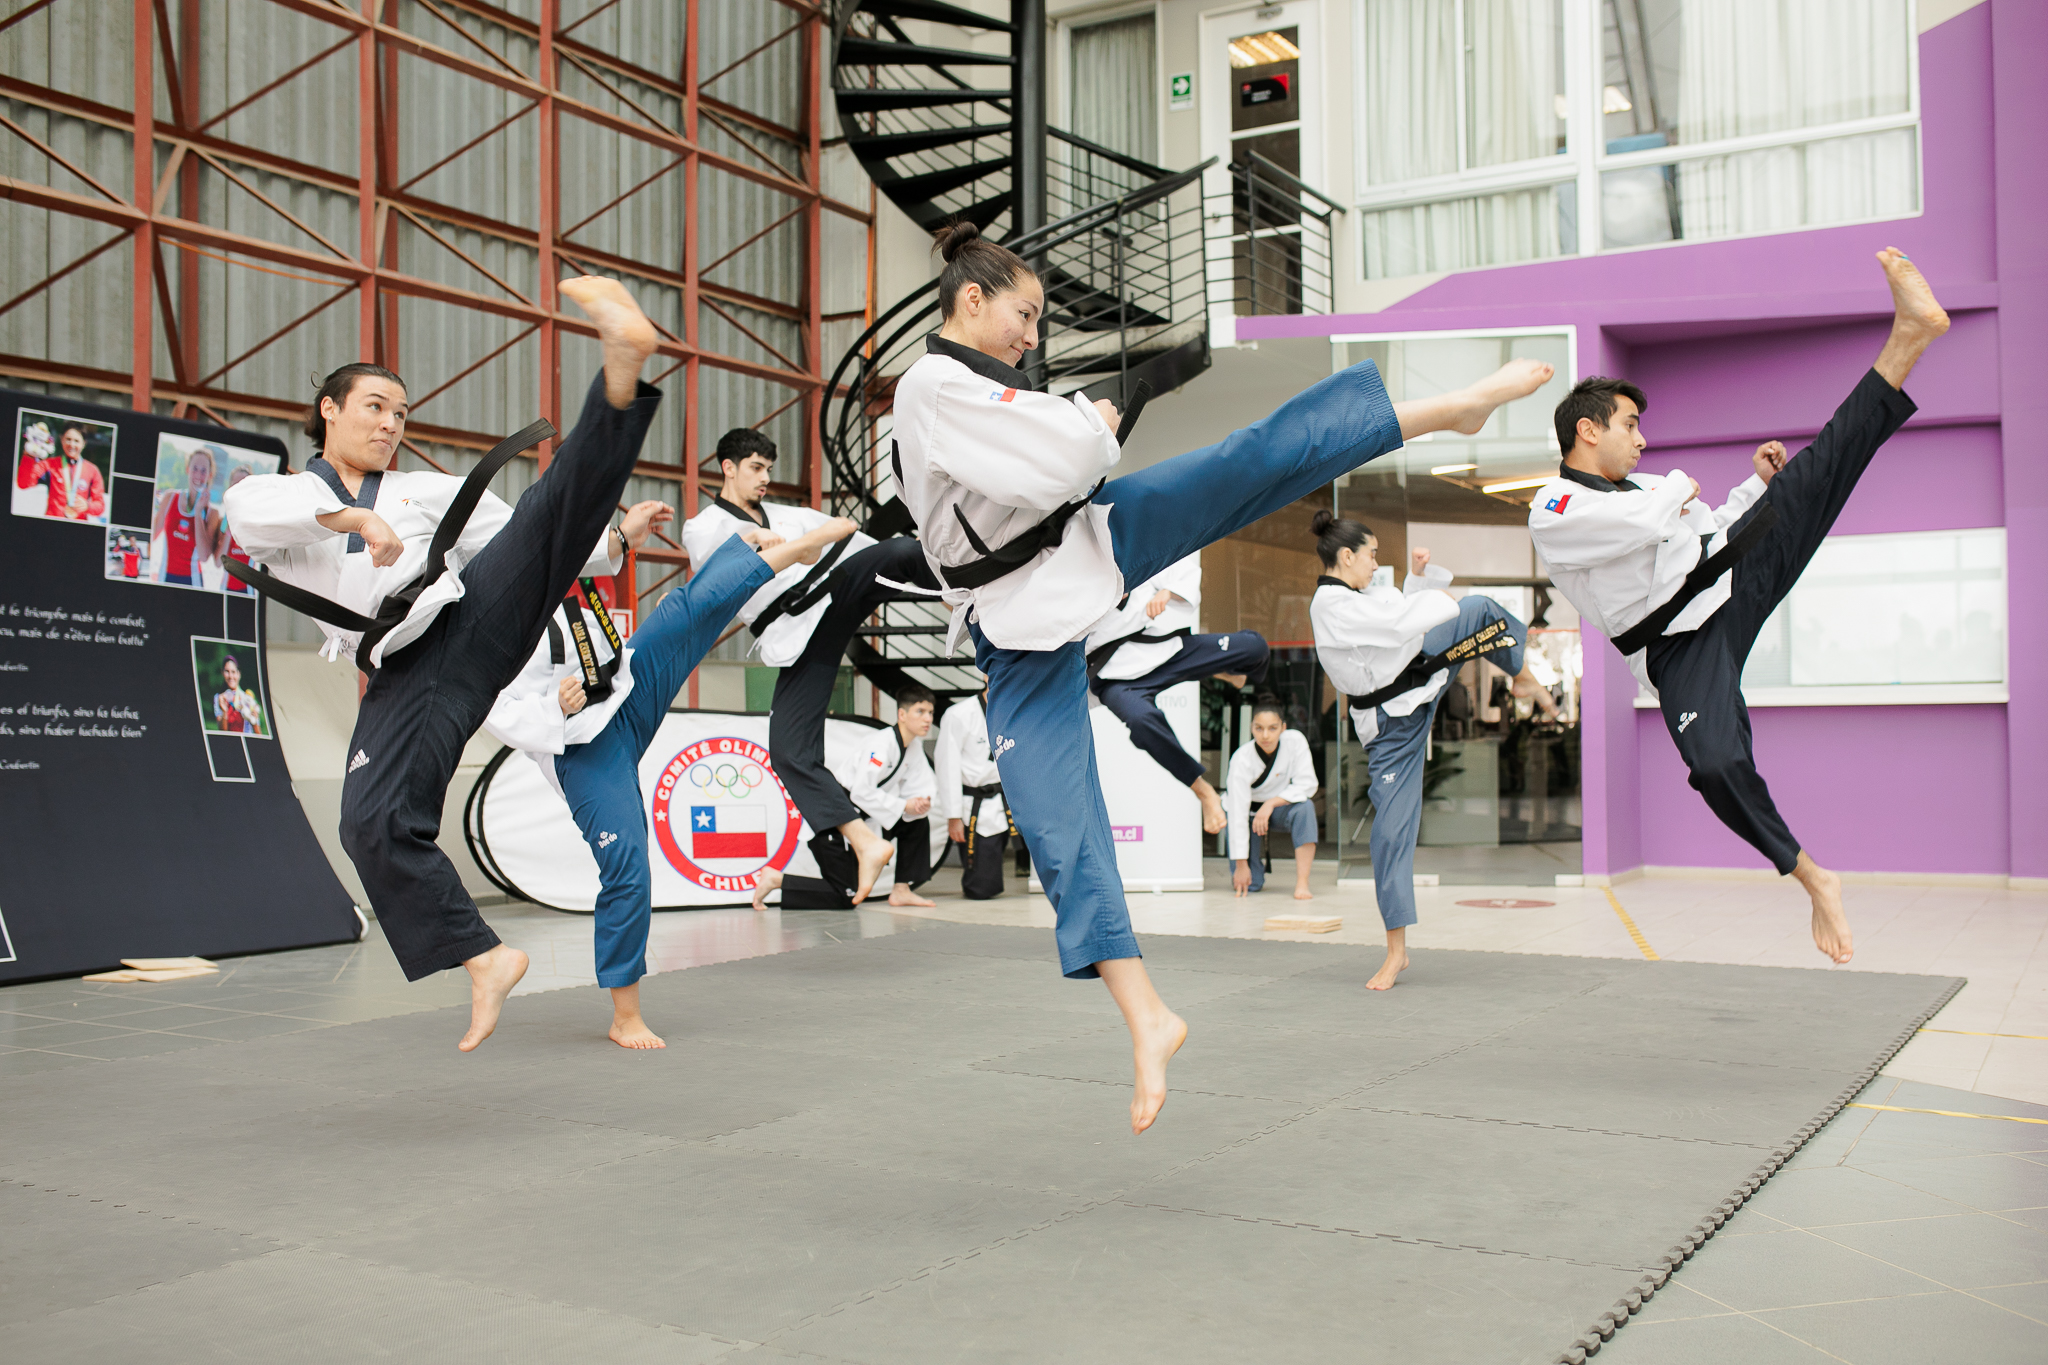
322 1215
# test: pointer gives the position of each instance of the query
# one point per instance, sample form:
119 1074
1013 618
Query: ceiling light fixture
1514 484
1453 468
1612 101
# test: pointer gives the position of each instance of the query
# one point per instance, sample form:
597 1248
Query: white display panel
1155 821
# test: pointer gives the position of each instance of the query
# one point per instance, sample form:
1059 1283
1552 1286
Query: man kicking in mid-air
1682 589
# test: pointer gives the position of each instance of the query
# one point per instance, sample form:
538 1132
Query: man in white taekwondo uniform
892 784
1682 588
1149 645
353 535
971 796
1275 770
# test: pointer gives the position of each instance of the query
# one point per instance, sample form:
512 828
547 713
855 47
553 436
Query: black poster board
145 807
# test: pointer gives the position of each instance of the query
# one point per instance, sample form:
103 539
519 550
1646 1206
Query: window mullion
1463 60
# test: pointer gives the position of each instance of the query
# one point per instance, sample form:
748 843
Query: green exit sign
1181 90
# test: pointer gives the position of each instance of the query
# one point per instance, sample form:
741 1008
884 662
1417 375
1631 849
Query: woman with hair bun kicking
1392 652
1035 548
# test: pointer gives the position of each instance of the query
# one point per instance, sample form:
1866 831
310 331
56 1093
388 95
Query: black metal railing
1270 241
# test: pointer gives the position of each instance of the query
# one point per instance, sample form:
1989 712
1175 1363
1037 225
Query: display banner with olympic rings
716 814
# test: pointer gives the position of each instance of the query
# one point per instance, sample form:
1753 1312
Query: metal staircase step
937 12
909 189
883 146
882 98
858 51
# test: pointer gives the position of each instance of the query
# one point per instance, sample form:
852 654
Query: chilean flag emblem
728 832
1002 395
1557 504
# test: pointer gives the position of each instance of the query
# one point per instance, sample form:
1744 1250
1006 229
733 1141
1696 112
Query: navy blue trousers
601 778
1038 699
1135 702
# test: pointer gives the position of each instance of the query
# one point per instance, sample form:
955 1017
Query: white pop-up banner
1156 821
716 814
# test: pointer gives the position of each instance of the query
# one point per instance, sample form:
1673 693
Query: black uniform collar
740 512
1565 471
983 364
1323 578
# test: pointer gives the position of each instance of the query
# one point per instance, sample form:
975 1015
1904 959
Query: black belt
1015 554
597 678
983 793
802 595
1711 567
1491 638
398 605
1099 657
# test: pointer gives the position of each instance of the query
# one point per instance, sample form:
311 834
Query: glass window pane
1514 81
1691 71
1113 96
1494 229
1407 94
1838 180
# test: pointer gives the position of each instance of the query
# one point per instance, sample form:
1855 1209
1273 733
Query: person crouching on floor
893 786
1275 774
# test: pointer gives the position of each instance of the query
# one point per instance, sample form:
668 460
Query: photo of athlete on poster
127 555
61 466
188 537
225 676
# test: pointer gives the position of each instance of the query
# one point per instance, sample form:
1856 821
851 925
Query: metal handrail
1298 183
1127 162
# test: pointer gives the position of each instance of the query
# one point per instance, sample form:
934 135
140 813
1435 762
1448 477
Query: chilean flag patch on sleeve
1002 395
1557 503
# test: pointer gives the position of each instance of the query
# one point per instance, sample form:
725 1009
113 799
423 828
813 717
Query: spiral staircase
944 106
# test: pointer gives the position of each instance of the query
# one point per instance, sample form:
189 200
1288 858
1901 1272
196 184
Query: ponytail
1334 533
972 259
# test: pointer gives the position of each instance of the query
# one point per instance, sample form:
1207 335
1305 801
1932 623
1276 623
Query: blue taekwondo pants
1394 763
1295 823
1135 702
1038 699
602 778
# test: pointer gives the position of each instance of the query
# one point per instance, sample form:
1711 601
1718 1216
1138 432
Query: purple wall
1743 341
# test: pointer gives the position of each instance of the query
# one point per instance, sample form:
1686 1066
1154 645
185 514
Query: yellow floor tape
1630 925
1945 1113
1973 1033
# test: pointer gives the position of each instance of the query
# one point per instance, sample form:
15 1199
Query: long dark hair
339 386
1334 533
972 259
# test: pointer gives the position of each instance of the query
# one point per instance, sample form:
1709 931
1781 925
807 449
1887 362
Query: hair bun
952 237
1320 522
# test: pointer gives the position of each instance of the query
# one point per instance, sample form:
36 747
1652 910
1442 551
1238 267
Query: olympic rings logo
735 779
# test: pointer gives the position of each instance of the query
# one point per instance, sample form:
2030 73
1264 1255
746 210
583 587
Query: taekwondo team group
467 613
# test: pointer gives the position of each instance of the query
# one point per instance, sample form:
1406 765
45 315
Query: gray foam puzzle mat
914 1148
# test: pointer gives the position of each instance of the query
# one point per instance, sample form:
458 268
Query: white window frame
1587 160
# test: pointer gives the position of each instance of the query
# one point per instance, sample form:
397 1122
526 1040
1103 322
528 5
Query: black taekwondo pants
1135 702
1698 675
422 706
796 716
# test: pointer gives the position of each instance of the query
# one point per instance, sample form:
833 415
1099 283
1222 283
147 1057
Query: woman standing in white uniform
1392 653
1007 486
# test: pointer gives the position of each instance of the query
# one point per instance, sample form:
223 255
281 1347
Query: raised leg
677 635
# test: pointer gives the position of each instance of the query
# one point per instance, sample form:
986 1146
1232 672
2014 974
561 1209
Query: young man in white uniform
892 784
356 532
971 796
1275 772
1149 645
1682 588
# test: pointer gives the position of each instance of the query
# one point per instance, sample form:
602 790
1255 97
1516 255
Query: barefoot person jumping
586 719
1393 653
353 530
1682 589
1035 550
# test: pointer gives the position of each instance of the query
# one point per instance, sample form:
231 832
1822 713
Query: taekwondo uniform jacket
966 760
1293 779
786 636
974 444
1365 638
1618 551
1136 658
880 784
527 715
274 519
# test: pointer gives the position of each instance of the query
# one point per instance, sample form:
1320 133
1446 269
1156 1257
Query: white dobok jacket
1136 658
1293 779
975 445
880 784
275 519
1364 638
1617 553
527 715
966 760
786 637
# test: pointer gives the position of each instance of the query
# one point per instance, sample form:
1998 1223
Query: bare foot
1913 299
1396 963
1153 1044
1830 922
1516 379
902 895
1213 819
766 880
626 334
1302 893
1537 692
492 976
873 859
